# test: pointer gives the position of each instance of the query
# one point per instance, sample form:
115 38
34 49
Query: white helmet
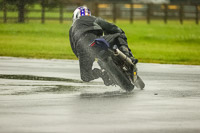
81 11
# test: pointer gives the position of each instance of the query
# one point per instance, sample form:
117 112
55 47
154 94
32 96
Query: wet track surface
39 96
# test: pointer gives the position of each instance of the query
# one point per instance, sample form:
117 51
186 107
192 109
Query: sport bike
122 70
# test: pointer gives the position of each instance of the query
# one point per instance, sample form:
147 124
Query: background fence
129 11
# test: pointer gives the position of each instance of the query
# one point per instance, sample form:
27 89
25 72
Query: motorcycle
122 70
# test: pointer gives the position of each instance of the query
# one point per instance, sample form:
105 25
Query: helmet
81 11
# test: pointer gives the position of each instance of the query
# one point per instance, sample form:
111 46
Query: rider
84 30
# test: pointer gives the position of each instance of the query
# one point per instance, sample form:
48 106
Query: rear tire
116 74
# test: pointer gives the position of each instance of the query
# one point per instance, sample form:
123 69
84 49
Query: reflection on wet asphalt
48 96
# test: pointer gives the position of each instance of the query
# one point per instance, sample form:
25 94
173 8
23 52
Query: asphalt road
47 96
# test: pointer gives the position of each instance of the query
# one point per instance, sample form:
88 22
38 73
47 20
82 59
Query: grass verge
157 42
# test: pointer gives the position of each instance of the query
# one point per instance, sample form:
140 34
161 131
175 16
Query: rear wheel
116 74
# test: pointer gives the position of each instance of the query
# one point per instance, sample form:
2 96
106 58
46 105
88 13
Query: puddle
31 77
106 94
29 84
28 90
59 89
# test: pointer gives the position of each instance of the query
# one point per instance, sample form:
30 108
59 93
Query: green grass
35 41
158 43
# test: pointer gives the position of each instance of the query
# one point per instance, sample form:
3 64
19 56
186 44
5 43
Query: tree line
21 5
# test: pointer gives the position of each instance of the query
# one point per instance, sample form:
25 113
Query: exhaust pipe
123 57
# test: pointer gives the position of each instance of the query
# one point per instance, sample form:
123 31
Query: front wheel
116 74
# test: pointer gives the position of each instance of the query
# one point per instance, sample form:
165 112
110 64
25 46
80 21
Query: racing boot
107 81
96 73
